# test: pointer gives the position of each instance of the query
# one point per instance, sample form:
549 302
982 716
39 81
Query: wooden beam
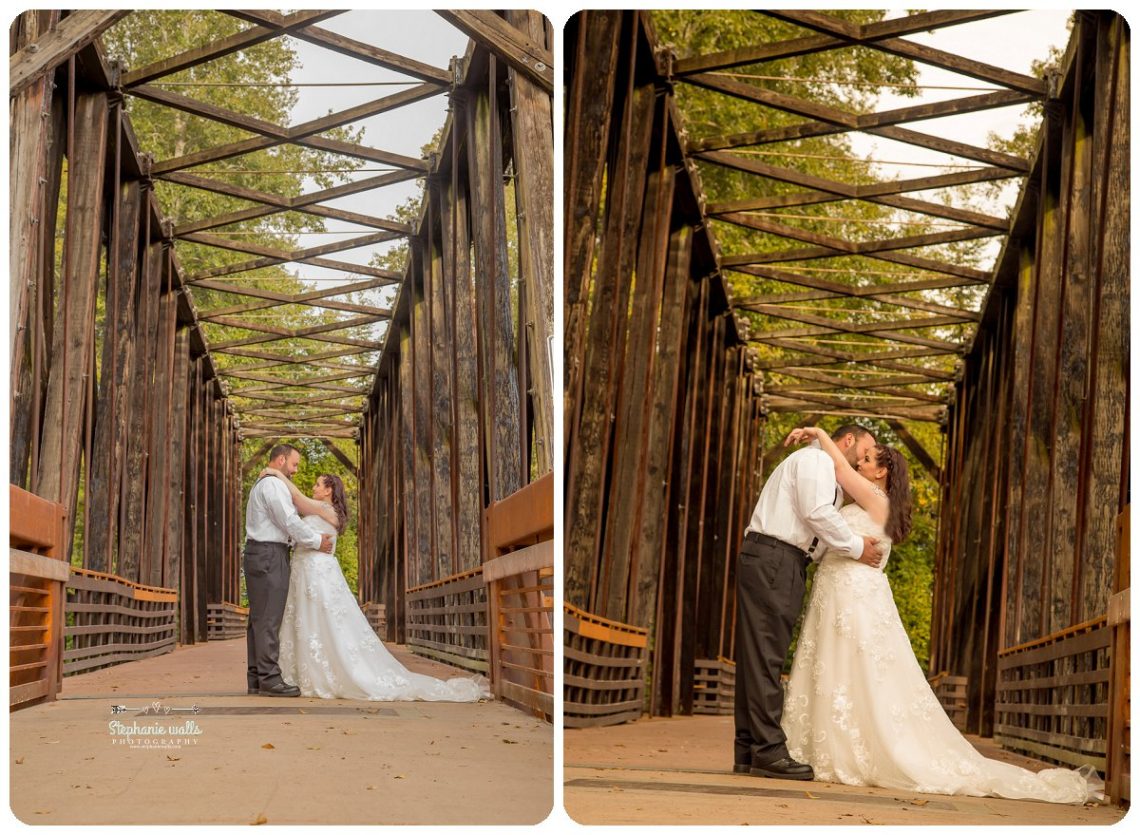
879 124
73 343
353 48
788 175
271 135
854 34
840 246
51 49
220 242
225 46
814 198
917 450
821 43
341 457
506 43
532 134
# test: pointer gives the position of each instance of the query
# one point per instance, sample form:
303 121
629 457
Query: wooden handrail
157 593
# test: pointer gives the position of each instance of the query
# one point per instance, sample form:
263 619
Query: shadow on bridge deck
677 771
285 761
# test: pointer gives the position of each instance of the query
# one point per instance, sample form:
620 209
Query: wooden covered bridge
156 355
736 263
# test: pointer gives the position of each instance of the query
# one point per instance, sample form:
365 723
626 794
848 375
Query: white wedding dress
328 648
858 707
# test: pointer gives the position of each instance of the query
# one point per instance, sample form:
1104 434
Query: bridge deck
331 761
676 771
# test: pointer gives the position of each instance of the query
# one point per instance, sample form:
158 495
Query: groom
271 523
794 522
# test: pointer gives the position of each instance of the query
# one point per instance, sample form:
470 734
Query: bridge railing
604 680
520 595
1118 756
37 573
225 621
111 620
447 620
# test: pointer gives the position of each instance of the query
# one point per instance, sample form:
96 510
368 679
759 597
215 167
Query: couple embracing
306 634
857 708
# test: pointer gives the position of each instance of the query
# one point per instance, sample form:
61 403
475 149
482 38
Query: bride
328 649
857 706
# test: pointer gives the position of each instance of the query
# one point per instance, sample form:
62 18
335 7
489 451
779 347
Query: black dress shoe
280 689
741 768
784 769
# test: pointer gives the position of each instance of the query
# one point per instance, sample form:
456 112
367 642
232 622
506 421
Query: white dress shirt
800 502
271 517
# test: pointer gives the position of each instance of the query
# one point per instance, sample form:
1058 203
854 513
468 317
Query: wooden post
457 248
589 108
31 137
628 483
58 476
604 343
500 396
440 314
114 390
532 133
656 508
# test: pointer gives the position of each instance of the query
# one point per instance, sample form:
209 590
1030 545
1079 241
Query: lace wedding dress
328 649
859 710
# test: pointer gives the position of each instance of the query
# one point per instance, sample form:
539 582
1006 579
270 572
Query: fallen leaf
919 802
173 759
19 760
369 788
260 820
398 777
313 747
268 745
510 742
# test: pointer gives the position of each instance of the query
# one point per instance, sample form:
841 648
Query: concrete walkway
678 771
256 759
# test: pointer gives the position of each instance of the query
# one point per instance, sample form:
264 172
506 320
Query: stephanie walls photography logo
146 728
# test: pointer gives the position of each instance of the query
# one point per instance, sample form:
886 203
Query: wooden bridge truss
844 295
152 426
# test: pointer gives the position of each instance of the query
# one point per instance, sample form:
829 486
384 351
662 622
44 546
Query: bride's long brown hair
339 502
898 491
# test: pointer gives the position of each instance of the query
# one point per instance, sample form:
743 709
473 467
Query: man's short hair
282 449
852 429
